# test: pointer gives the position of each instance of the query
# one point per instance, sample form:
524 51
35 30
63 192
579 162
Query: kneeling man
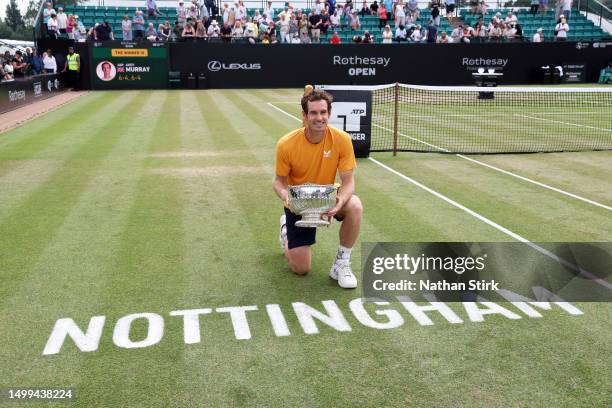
314 154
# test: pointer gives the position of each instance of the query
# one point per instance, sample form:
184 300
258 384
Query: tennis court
124 203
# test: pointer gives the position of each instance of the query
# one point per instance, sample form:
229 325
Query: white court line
509 173
482 218
565 123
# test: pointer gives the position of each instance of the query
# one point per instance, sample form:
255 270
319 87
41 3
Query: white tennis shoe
341 271
282 233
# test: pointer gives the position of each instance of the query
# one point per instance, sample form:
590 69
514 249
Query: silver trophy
311 201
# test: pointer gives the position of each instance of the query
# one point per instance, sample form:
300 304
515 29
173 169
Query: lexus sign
216 66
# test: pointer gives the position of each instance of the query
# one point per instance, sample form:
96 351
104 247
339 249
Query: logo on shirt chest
327 153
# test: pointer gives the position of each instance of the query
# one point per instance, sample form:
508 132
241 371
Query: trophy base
311 222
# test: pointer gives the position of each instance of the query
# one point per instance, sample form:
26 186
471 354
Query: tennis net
490 120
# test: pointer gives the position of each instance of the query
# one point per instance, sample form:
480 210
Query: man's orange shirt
305 162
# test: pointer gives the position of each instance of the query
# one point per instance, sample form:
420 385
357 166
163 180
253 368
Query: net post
395 115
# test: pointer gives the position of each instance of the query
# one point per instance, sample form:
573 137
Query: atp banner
352 112
129 65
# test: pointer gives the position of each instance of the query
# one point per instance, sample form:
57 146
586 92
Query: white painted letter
279 324
191 323
239 320
521 303
476 314
418 312
307 314
84 341
155 330
394 319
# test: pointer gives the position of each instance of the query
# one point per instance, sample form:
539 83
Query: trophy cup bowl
311 201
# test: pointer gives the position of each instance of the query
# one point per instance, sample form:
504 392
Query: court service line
509 173
565 123
482 218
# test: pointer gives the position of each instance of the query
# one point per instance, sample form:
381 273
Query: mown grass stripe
147 275
27 231
76 262
28 140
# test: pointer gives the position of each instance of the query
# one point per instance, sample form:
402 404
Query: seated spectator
304 39
49 62
348 7
226 32
334 20
273 39
535 5
353 21
387 35
251 30
538 37
151 33
52 26
6 70
367 38
265 39
495 31
357 39
295 39
335 38
511 19
562 29
417 34
443 38
510 32
401 34
213 30
238 31
481 32
164 31
177 30
456 34
189 31
467 34
200 30
138 25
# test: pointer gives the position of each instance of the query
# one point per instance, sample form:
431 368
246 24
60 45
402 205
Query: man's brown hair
316 95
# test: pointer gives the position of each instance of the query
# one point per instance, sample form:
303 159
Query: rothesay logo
15 96
216 66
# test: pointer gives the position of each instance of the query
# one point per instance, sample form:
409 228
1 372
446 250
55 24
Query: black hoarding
258 66
22 92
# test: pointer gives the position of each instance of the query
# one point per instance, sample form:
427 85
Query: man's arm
280 187
346 190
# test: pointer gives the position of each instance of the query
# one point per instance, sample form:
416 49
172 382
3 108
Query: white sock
343 253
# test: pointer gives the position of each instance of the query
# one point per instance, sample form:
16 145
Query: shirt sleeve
347 155
282 161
